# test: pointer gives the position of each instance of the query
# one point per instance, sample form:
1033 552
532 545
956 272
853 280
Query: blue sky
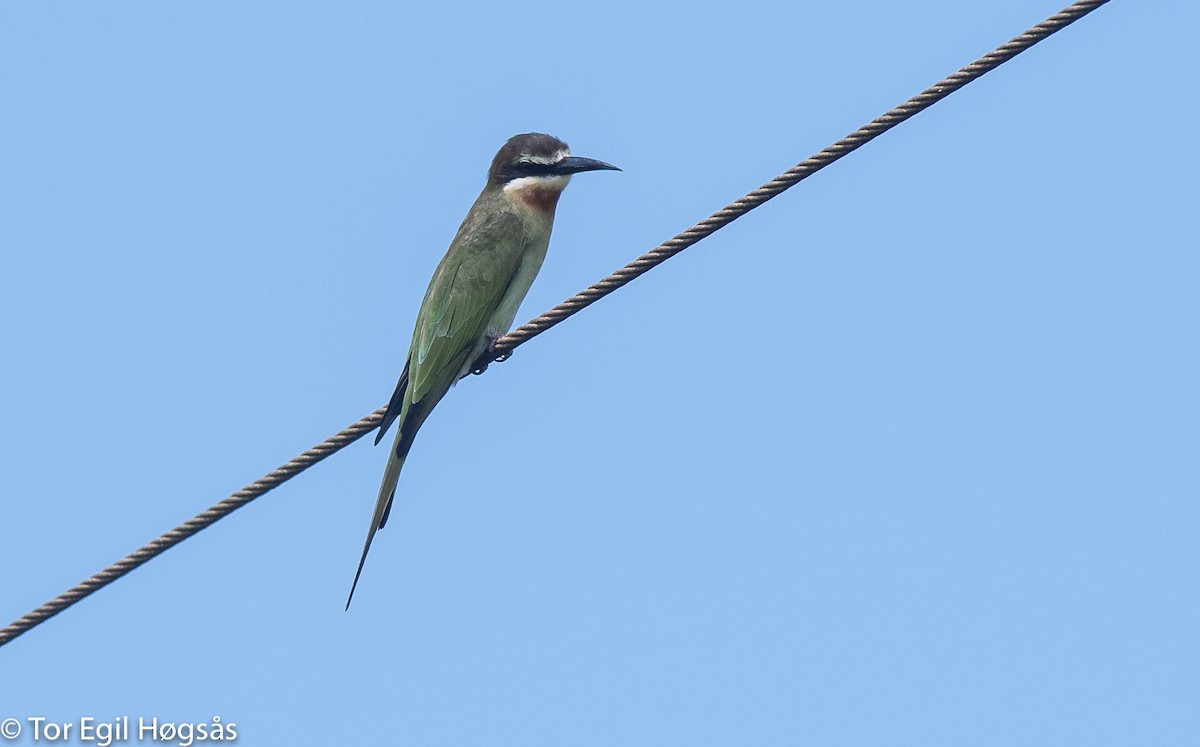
906 456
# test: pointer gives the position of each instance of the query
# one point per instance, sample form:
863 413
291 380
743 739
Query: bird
473 296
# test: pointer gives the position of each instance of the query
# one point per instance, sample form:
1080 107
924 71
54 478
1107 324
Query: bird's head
533 169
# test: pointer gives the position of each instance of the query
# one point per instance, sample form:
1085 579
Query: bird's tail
383 506
410 420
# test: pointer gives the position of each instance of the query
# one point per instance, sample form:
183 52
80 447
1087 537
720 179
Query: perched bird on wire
475 291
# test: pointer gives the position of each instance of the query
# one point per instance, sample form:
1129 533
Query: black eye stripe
525 168
532 168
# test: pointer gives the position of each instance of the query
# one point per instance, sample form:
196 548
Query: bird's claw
481 364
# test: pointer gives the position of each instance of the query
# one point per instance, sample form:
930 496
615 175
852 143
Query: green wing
463 296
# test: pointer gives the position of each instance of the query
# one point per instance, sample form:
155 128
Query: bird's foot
483 361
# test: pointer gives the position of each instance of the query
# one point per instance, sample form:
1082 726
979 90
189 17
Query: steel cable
572 305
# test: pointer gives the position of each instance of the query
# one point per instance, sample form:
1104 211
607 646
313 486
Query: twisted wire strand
794 175
569 307
202 520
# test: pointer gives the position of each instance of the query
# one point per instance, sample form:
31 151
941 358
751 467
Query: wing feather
454 320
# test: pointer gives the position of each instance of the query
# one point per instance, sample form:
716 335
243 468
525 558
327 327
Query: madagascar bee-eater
475 291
